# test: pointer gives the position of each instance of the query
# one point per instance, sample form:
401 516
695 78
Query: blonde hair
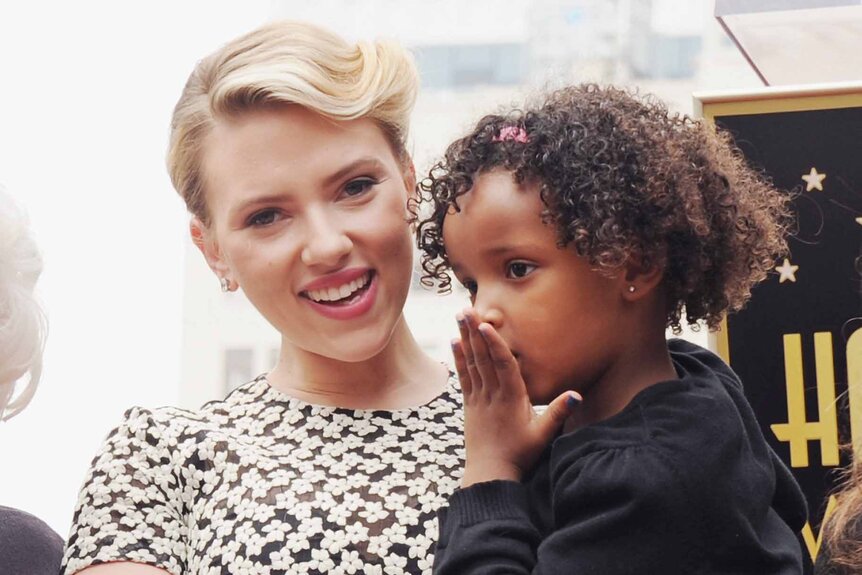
22 323
841 530
289 63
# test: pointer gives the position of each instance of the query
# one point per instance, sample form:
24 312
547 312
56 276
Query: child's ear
641 277
206 243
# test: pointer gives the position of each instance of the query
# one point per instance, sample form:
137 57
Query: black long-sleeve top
680 481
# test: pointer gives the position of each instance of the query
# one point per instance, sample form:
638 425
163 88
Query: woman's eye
517 270
358 187
263 218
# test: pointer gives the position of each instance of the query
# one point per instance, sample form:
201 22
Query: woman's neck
400 376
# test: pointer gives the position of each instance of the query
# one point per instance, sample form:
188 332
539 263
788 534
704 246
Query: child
582 229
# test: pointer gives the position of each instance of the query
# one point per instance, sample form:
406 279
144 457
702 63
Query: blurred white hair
22 323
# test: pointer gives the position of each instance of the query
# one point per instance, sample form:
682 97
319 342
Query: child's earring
632 289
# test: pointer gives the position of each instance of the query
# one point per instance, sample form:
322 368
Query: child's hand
503 436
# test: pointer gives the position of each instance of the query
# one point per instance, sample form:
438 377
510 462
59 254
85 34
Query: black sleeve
615 512
27 544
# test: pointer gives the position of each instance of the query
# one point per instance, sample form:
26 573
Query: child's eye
263 218
471 287
358 187
517 270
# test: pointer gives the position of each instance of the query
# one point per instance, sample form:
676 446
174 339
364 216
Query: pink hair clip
515 133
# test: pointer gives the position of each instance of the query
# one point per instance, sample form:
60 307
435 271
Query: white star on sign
787 271
813 180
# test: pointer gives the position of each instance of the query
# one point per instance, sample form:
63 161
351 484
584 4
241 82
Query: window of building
460 66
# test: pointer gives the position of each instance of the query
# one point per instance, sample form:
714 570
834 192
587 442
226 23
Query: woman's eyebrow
366 162
258 200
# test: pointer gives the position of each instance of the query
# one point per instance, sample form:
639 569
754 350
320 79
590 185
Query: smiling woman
299 207
288 146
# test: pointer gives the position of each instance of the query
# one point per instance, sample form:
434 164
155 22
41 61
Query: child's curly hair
622 178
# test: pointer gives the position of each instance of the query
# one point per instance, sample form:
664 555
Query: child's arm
608 515
614 513
503 436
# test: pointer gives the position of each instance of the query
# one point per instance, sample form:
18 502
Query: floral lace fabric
267 484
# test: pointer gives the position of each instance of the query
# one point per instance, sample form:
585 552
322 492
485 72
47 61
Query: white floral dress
262 483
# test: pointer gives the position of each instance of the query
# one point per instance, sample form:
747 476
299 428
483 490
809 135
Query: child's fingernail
573 400
483 330
462 322
454 343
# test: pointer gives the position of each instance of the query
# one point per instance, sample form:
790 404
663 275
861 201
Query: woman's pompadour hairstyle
289 63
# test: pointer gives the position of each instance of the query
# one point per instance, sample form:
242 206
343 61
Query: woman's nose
326 244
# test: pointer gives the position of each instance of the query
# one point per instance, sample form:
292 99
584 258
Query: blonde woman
27 544
288 147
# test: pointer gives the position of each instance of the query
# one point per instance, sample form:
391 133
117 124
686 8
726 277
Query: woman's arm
130 516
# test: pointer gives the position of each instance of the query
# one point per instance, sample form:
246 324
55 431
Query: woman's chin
356 347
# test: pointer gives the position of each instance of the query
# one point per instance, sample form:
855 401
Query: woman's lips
335 279
351 307
336 292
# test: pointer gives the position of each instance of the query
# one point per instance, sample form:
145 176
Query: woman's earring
632 289
225 284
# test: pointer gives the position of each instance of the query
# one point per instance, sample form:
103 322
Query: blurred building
577 40
473 58
665 40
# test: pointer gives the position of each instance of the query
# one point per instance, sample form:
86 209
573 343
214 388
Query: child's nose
489 314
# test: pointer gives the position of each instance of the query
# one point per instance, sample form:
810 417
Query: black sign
798 344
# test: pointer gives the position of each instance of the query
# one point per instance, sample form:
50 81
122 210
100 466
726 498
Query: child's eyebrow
507 249
493 252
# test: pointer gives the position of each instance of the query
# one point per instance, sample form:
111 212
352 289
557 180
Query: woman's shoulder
156 428
245 399
27 544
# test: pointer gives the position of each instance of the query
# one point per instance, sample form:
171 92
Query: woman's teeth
340 292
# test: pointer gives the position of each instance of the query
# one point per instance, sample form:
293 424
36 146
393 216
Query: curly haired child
583 228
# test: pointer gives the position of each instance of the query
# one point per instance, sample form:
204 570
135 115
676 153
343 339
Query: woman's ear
206 243
412 204
641 277
409 174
